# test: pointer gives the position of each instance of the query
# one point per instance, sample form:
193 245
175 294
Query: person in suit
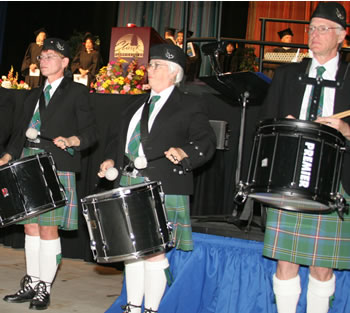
87 60
319 241
60 111
30 63
286 36
179 130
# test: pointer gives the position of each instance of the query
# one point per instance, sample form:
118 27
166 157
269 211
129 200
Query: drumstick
33 134
341 114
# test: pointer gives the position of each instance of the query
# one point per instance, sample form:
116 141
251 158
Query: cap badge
168 55
339 14
59 46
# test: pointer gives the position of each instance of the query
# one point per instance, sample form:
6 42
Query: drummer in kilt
58 110
178 129
319 241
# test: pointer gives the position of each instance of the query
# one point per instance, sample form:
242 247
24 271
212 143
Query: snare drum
296 165
29 186
127 223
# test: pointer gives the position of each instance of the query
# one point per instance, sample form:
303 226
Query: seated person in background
227 61
87 60
169 35
30 62
194 58
286 36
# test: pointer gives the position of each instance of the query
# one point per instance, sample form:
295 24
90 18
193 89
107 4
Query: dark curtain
3 11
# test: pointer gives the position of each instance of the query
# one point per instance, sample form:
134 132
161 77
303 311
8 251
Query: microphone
111 174
33 134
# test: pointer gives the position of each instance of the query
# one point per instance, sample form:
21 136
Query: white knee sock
50 259
318 294
155 283
31 249
135 287
287 294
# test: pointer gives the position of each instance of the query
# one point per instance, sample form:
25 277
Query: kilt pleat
308 239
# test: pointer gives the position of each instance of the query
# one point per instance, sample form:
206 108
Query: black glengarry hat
58 45
332 11
168 52
285 32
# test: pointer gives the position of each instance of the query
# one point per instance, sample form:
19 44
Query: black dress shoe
41 300
25 294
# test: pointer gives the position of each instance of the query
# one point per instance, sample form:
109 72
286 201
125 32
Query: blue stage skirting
228 275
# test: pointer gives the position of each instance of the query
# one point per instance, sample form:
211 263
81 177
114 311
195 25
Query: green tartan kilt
66 217
178 211
308 239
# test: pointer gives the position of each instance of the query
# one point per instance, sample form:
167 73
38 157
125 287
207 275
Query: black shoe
127 308
41 301
25 294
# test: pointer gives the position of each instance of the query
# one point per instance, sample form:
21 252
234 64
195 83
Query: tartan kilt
321 240
178 211
65 217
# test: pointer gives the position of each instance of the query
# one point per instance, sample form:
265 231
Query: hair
173 67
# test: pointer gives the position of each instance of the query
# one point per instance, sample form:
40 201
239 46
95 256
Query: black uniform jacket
68 114
182 123
286 94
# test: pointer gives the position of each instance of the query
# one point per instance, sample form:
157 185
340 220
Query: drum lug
241 193
93 249
340 205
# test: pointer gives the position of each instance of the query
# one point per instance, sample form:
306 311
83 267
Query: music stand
244 87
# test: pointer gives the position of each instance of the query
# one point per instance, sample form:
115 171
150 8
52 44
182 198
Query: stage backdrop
295 10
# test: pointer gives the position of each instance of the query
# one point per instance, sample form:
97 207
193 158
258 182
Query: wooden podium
133 42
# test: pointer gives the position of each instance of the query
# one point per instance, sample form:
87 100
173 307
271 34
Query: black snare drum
296 165
127 223
29 187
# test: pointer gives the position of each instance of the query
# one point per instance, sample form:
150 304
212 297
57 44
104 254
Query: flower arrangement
11 82
121 77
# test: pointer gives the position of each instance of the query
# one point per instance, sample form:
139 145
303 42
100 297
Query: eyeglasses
47 57
154 66
322 29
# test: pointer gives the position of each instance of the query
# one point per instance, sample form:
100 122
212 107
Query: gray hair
173 67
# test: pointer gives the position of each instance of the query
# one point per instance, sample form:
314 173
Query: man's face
286 39
52 64
325 44
159 76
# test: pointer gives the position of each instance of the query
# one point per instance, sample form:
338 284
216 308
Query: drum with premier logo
127 222
28 187
296 165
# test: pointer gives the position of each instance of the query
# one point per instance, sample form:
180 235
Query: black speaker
222 133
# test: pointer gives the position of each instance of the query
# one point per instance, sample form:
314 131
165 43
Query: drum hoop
119 192
26 160
302 125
